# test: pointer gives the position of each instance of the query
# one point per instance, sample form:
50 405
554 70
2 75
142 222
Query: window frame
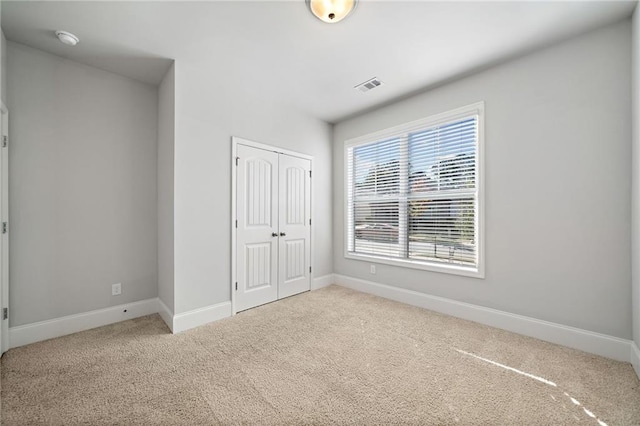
475 109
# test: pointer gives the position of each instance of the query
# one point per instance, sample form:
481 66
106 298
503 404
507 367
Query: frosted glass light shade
331 11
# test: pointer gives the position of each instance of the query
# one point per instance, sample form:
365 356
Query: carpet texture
332 356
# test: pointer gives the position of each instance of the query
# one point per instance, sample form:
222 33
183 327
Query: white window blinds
413 195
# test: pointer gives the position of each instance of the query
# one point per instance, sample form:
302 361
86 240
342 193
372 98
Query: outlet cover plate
116 289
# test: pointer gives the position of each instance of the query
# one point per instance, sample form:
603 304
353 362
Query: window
413 194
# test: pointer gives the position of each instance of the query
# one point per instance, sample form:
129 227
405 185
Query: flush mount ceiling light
67 38
331 11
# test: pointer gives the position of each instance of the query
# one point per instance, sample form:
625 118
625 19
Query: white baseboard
588 341
197 317
635 358
323 281
166 314
43 330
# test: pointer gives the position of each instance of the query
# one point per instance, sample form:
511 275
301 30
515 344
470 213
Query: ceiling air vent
368 85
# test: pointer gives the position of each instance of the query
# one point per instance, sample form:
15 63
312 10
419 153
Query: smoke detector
369 85
67 38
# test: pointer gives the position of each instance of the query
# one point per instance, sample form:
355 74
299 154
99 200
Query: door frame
4 237
235 141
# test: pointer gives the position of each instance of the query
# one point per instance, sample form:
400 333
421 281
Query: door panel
258 194
257 211
258 268
295 195
295 229
295 259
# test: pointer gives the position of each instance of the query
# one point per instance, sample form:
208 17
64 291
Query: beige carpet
333 356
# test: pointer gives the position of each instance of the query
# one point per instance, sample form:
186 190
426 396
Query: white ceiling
277 50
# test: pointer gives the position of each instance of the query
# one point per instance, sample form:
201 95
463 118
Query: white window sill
453 269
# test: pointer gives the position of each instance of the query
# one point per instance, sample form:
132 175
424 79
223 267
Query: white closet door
257 232
295 228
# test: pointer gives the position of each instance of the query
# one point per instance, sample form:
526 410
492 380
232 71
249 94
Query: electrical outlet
116 289
373 269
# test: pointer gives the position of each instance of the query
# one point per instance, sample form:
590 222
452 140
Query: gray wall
3 68
208 114
3 64
557 188
83 192
635 254
166 133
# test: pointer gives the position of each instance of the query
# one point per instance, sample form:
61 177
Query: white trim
235 141
201 316
323 281
433 120
166 314
49 329
453 268
588 341
476 108
635 358
480 210
234 220
4 213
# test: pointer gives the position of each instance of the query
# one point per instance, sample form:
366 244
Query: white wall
83 192
636 178
557 184
208 114
166 133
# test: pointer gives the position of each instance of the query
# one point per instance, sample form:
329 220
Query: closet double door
273 231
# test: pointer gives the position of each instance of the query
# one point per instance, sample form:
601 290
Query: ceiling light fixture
67 38
331 11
